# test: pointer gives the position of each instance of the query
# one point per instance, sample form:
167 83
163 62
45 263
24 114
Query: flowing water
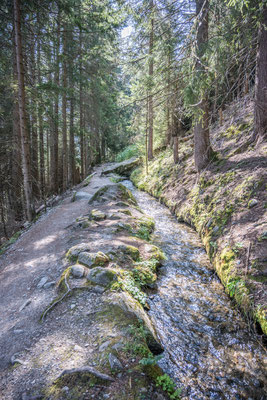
208 350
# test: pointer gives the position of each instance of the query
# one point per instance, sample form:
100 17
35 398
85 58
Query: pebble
104 345
114 362
48 285
42 282
27 302
72 306
18 331
78 348
252 203
65 389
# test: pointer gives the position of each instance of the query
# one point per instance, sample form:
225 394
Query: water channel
209 351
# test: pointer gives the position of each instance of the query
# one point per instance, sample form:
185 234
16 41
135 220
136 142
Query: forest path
38 253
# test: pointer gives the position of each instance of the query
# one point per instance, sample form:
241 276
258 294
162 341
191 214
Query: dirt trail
36 254
90 328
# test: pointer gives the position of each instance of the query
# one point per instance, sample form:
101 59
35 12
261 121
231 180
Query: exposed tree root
83 370
54 303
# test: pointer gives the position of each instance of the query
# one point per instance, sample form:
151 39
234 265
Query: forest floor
90 326
226 204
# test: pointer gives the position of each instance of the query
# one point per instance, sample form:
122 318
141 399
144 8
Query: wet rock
114 362
77 271
42 282
74 251
252 203
102 276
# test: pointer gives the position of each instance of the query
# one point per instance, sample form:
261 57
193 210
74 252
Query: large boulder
122 168
102 276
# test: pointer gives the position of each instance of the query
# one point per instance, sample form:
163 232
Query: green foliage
150 360
130 285
129 152
167 384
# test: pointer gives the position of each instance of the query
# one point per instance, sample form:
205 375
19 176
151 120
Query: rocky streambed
208 349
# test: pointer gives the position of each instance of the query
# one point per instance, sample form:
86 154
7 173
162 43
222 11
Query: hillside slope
226 204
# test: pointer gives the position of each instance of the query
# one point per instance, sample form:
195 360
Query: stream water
208 350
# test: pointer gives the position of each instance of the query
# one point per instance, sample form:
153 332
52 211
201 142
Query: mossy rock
92 259
131 251
261 317
126 194
74 251
87 180
157 254
97 215
126 212
99 193
83 222
116 178
123 168
113 192
102 276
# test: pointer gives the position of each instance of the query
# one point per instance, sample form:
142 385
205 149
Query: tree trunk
150 154
81 106
260 107
202 148
34 136
175 133
54 139
17 177
64 114
25 148
40 119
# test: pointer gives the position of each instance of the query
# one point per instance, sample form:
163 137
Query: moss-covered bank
226 204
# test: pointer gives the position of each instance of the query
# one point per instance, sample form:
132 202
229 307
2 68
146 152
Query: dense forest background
88 81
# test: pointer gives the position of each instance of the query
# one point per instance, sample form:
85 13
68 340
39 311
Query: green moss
132 251
99 193
261 317
87 180
127 212
126 194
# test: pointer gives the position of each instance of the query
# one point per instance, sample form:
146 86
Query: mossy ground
217 204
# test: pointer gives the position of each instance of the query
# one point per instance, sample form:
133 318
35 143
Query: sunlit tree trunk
150 97
202 149
260 108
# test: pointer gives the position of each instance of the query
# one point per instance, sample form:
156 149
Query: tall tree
202 149
150 154
260 110
25 147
